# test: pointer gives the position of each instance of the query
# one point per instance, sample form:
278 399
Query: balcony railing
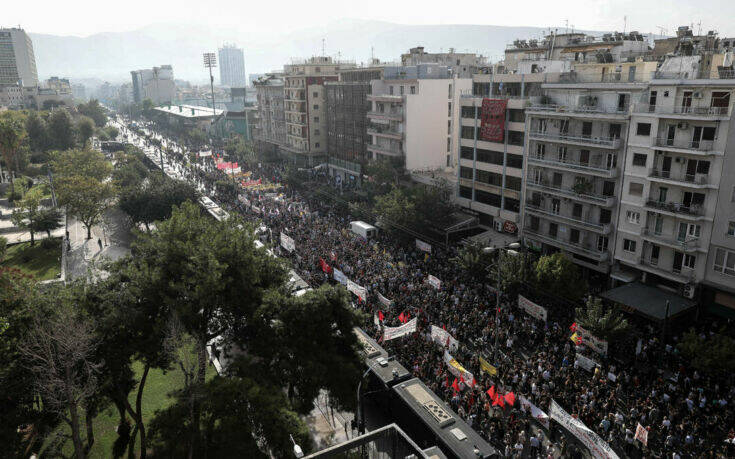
608 142
387 132
680 110
586 249
675 207
579 221
684 244
698 179
597 198
390 114
579 109
679 274
583 167
699 145
386 150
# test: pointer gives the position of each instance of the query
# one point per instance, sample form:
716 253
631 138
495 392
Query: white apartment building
17 60
232 67
156 84
461 65
677 198
412 113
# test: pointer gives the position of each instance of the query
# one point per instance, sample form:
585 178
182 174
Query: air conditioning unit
697 95
688 290
498 226
683 126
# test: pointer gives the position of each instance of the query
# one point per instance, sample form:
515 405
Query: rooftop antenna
372 55
324 46
566 23
625 24
699 28
662 31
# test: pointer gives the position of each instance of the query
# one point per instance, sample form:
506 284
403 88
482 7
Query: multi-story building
61 85
305 108
490 158
270 127
156 84
461 65
79 91
347 125
232 66
575 154
677 198
17 60
412 114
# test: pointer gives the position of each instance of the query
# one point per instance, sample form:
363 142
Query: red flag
455 386
447 343
402 318
510 397
472 400
381 316
325 267
408 316
461 379
573 327
498 401
474 382
444 327
491 392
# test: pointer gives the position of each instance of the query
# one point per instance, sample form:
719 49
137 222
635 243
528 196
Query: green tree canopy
558 275
61 129
713 353
155 199
85 129
607 324
95 111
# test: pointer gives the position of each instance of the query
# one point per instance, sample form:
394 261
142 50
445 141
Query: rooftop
189 111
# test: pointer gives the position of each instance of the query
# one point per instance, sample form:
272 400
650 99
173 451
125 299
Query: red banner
492 126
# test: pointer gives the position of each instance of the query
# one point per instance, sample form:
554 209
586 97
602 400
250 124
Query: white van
363 229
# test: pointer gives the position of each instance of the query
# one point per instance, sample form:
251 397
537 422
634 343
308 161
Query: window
449 126
413 89
628 245
315 95
316 107
316 119
643 129
449 146
731 228
635 189
316 131
633 217
449 93
316 145
690 261
640 159
725 262
540 150
403 89
732 196
449 109
702 167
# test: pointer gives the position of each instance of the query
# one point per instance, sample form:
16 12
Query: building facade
461 65
270 128
17 60
156 84
232 66
347 124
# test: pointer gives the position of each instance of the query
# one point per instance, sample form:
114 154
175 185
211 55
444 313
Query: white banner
591 440
409 327
339 276
287 243
585 362
536 412
591 341
436 283
457 369
533 309
244 200
204 154
421 245
440 337
385 301
641 434
356 289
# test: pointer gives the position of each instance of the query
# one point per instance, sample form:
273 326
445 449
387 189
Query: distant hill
111 56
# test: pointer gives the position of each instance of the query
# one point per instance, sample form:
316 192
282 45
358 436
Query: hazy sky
86 17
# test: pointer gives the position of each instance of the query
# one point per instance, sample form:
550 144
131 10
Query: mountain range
111 56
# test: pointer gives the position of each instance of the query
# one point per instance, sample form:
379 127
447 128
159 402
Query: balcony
681 112
683 276
597 169
687 146
385 150
574 221
387 133
384 98
675 209
584 249
580 109
600 200
387 115
686 245
585 141
689 180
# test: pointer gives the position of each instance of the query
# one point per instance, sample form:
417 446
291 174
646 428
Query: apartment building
575 153
17 60
156 84
232 66
461 65
490 158
676 208
305 108
411 116
270 127
347 124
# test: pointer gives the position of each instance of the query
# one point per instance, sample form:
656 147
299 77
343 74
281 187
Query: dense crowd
687 414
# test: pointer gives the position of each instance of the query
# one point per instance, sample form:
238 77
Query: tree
85 129
713 353
12 134
473 260
3 247
37 130
129 172
396 210
86 198
60 353
85 162
95 111
433 208
25 214
61 129
608 325
155 199
48 220
558 274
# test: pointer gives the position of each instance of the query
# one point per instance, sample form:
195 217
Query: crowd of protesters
686 414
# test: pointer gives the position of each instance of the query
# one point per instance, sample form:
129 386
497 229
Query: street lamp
210 61
511 249
297 451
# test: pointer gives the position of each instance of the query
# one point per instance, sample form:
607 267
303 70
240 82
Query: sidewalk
86 256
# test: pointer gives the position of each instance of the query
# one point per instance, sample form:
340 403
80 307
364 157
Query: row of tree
192 282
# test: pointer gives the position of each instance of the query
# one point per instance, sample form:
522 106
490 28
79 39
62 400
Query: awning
648 301
623 275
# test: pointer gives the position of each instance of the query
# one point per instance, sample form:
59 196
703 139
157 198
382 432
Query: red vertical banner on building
492 126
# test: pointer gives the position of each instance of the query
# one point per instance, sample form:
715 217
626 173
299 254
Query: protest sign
409 327
436 283
533 309
384 301
536 412
487 367
421 245
597 446
443 338
340 277
588 339
585 362
287 243
356 289
457 369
